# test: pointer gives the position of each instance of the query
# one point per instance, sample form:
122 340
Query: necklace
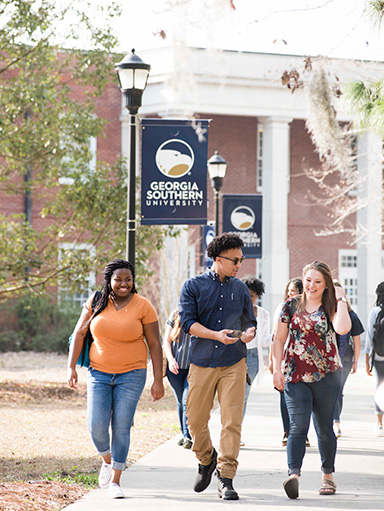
117 306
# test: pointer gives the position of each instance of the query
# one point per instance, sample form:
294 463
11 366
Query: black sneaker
204 474
225 488
187 444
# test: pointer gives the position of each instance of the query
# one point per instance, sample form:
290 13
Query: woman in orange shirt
118 360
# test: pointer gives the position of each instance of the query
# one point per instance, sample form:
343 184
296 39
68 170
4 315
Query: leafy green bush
35 323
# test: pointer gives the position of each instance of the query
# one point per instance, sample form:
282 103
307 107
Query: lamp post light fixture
132 73
217 168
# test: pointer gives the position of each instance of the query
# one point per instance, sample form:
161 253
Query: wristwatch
342 299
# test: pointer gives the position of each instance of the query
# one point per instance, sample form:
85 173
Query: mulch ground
38 495
44 438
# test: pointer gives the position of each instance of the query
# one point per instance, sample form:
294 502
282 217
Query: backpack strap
88 339
95 300
379 318
292 307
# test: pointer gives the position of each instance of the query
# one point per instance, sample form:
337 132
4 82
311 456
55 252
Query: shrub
35 323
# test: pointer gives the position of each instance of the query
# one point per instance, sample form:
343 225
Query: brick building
258 126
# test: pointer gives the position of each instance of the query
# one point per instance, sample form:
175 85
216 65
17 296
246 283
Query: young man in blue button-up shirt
216 309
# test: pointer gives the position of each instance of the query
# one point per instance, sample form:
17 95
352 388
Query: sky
334 28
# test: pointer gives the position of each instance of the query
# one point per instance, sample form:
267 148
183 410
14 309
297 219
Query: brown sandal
328 487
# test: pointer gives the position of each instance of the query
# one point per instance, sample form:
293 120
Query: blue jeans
112 400
346 371
319 399
284 413
378 369
179 384
252 370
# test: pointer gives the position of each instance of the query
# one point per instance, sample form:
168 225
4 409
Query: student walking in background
372 359
118 365
310 373
216 309
262 339
176 348
349 350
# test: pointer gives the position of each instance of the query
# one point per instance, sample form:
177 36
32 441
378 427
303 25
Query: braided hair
112 266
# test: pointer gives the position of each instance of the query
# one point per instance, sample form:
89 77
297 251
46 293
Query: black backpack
378 334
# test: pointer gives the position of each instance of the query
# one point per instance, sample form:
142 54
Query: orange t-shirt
118 336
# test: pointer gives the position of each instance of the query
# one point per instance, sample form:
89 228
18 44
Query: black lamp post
133 74
217 168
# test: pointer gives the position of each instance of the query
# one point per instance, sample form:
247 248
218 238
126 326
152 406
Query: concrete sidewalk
163 479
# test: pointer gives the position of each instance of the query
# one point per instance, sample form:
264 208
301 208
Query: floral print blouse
311 351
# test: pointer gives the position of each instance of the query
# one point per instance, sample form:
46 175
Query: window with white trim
348 274
92 146
70 297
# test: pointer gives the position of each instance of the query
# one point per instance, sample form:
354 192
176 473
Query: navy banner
242 214
208 235
174 171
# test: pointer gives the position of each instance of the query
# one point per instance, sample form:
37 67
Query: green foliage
89 481
375 10
366 100
35 323
44 130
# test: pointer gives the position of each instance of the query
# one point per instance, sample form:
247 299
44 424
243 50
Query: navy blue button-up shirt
215 304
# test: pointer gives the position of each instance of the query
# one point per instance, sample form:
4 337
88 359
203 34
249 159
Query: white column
369 222
276 166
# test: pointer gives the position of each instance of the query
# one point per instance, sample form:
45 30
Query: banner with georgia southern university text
242 214
174 171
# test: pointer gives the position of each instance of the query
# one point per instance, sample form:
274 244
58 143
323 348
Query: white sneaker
378 431
105 474
115 491
337 431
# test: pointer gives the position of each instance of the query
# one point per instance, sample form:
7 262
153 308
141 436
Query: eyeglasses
235 261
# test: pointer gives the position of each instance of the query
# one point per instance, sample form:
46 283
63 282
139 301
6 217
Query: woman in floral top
311 369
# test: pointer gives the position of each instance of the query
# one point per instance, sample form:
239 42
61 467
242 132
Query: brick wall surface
305 218
235 138
108 107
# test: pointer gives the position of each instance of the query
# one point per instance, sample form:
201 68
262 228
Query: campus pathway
163 478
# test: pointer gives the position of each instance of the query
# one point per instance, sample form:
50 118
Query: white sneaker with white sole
105 474
115 491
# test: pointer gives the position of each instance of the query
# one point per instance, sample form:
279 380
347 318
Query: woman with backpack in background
349 350
311 372
373 344
176 347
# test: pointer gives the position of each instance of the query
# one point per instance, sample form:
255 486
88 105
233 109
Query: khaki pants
229 383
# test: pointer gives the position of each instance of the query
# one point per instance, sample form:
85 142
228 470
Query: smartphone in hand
235 334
